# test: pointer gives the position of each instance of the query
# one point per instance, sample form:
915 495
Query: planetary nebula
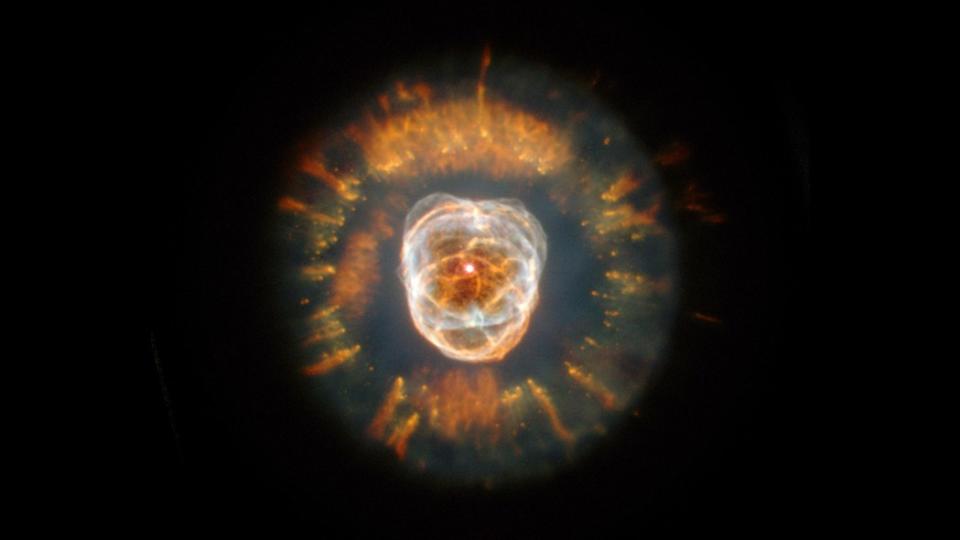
410 212
471 271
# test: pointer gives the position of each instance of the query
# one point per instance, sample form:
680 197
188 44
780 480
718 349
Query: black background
223 438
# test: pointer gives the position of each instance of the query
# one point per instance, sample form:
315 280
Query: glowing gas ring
471 270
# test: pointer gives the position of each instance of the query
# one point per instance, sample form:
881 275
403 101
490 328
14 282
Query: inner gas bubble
471 269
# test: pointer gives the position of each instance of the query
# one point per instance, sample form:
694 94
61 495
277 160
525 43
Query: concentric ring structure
484 362
471 271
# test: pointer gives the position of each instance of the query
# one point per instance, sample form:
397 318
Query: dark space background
218 436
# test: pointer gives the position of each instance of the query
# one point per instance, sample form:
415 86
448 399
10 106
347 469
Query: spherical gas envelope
480 363
471 271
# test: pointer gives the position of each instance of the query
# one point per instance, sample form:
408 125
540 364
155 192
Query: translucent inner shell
471 270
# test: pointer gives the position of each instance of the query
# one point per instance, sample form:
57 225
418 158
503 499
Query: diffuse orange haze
464 403
461 135
358 270
456 403
695 201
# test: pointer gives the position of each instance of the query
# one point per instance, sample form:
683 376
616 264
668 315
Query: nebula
510 369
471 271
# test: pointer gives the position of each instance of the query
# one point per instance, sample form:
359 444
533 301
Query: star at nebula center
471 270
